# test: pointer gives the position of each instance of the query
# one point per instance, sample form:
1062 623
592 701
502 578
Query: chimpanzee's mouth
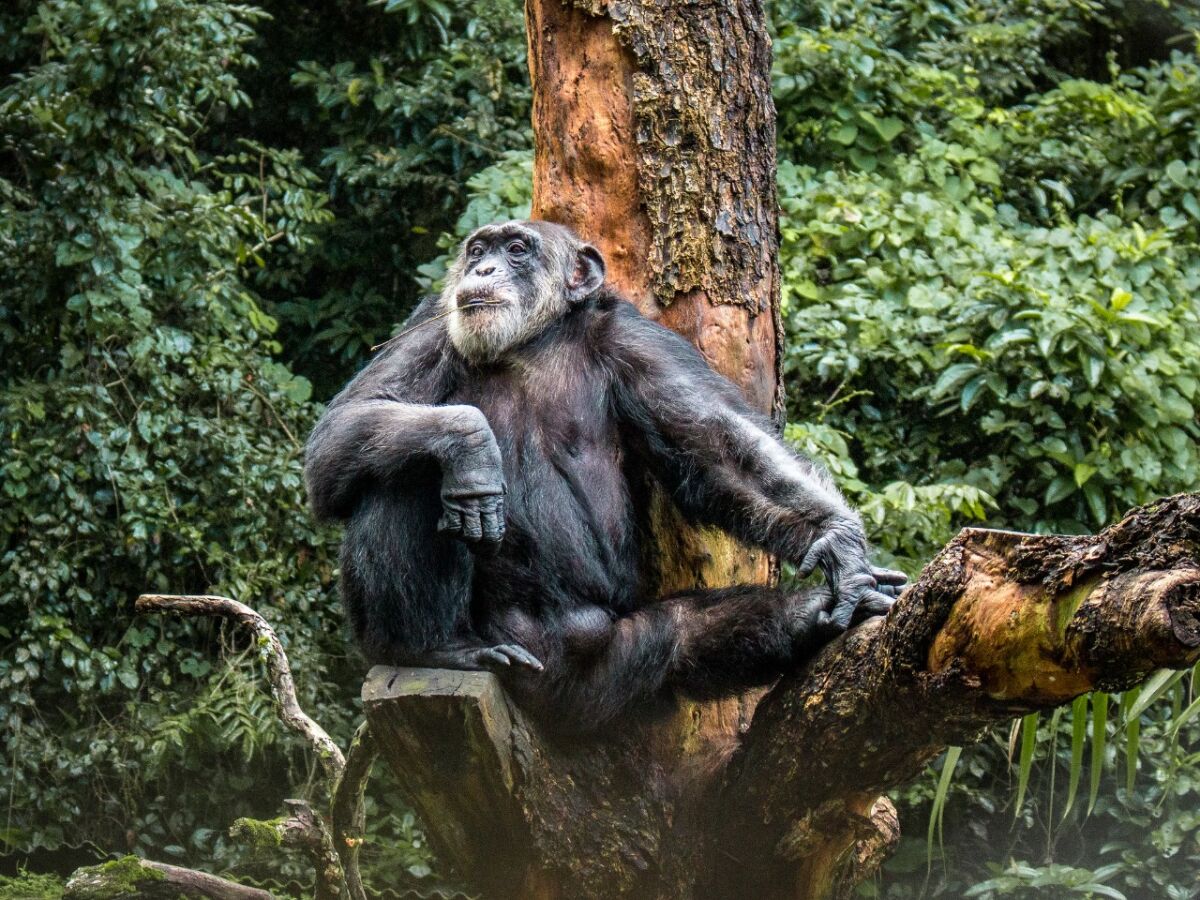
473 301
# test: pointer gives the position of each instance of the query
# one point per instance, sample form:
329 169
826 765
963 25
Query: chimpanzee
490 466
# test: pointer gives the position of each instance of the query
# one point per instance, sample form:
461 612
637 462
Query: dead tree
656 140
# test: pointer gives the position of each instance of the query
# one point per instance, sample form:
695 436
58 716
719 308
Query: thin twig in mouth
434 318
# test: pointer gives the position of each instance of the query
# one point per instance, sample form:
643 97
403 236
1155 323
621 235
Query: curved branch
279 672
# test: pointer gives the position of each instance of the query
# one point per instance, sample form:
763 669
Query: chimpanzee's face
498 268
507 285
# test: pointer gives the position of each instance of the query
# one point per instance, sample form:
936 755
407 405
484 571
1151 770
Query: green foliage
151 437
402 125
30 886
1137 842
990 263
984 324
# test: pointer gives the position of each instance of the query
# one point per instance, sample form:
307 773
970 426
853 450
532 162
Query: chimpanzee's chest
570 527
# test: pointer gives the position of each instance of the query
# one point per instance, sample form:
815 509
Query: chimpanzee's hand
473 485
860 590
474 515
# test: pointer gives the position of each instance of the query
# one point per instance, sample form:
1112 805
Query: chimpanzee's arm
372 433
724 466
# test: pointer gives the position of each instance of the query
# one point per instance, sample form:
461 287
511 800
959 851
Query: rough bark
999 624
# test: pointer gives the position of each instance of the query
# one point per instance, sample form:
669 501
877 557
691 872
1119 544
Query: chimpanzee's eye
516 248
475 251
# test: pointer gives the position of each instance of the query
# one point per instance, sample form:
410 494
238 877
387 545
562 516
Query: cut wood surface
999 624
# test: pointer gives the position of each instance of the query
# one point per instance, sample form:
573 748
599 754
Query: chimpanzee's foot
478 658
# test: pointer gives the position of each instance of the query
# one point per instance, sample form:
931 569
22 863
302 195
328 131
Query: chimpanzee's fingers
871 605
891 590
843 612
472 528
889 577
491 518
851 589
450 522
522 656
813 557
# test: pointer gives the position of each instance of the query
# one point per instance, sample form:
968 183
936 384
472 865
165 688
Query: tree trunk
656 141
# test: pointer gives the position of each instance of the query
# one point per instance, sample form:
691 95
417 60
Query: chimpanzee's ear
586 275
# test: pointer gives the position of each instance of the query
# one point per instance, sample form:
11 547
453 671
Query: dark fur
575 414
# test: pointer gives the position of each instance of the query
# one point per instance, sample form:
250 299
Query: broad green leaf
844 134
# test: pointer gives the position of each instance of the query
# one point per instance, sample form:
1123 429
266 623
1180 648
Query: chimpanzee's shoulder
608 312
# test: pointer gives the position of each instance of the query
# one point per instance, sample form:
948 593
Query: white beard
484 335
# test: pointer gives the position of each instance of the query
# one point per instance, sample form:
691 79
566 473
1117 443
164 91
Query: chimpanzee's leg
704 644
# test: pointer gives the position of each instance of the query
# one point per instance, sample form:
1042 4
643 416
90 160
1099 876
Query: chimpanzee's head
511 281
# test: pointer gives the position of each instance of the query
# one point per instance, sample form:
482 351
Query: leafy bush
397 129
151 439
1043 358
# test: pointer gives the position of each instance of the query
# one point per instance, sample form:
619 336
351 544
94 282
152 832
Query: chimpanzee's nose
485 270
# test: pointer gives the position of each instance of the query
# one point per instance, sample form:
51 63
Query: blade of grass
1052 756
1099 739
939 805
1183 718
1079 719
1156 685
1133 735
1029 726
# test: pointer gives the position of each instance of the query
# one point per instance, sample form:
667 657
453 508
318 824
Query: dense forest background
209 212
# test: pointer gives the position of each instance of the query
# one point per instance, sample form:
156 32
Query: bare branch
349 818
279 672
